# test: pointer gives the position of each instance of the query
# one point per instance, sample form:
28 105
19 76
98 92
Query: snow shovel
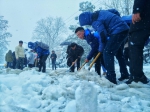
94 61
72 65
82 66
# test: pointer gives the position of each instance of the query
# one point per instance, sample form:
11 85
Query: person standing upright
53 58
140 32
20 55
9 59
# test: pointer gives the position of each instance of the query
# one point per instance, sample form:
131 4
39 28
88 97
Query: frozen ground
62 91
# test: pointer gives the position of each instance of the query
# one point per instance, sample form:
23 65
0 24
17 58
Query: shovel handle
82 66
94 61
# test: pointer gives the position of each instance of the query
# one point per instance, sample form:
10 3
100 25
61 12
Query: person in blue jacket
42 55
93 40
108 23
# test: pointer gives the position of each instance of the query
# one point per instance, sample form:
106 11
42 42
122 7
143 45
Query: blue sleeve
101 45
38 51
114 11
94 43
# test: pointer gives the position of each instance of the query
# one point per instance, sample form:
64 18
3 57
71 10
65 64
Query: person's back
9 59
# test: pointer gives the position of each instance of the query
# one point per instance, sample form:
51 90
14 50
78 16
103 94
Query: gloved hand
86 60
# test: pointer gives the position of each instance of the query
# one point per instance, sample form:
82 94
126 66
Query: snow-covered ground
62 91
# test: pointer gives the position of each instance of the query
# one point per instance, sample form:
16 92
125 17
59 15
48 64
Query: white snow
62 91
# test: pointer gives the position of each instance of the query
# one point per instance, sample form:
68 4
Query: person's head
10 51
31 45
53 51
20 43
80 32
73 46
85 18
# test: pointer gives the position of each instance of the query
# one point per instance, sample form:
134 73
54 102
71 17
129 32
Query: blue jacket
108 23
40 51
93 40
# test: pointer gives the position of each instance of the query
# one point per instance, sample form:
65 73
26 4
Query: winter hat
85 18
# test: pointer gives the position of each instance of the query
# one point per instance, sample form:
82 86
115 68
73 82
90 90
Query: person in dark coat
108 23
93 40
42 54
53 58
9 59
74 52
140 32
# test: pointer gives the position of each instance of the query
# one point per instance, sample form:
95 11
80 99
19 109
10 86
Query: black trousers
20 63
98 64
42 63
78 65
136 46
126 56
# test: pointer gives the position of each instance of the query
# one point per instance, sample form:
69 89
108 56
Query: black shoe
113 80
43 71
123 78
130 80
143 79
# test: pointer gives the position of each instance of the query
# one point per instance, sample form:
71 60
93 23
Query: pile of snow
62 91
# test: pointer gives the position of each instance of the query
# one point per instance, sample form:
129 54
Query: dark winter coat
142 7
53 57
107 23
74 54
40 51
9 56
93 40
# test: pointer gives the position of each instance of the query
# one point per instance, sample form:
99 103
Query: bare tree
50 31
4 35
123 6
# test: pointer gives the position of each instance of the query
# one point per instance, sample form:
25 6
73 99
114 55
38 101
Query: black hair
20 41
79 29
73 44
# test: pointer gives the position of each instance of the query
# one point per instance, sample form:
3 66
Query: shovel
82 66
94 61
72 65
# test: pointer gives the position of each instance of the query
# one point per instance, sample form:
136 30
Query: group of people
18 59
111 33
36 57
